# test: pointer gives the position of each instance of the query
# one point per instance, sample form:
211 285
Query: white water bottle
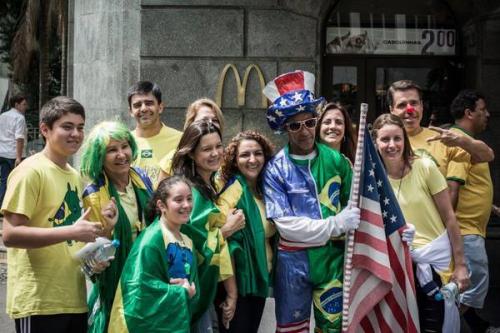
448 292
451 323
95 253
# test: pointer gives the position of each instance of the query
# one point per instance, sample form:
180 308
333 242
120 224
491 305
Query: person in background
159 284
404 99
154 139
13 139
117 196
198 157
42 222
422 194
244 160
473 205
335 130
201 109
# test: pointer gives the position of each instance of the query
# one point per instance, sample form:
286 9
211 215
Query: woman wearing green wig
115 186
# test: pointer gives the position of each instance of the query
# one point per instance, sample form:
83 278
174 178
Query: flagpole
354 199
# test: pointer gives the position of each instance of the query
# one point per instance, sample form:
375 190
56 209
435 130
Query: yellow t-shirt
166 163
269 231
446 158
229 199
475 198
128 201
153 149
414 193
46 280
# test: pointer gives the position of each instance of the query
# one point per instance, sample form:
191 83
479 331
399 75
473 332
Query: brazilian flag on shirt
332 176
214 261
145 302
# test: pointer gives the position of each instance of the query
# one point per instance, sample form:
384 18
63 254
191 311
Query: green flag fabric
145 302
247 246
214 260
101 296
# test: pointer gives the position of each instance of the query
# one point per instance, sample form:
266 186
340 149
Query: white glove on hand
408 234
347 219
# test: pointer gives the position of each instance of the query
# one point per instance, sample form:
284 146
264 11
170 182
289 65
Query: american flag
382 295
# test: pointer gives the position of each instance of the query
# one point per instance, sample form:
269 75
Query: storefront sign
341 40
240 86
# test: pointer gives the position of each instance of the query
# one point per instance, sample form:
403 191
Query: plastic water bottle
95 253
448 292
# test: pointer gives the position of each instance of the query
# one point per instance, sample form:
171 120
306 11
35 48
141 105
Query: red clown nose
410 109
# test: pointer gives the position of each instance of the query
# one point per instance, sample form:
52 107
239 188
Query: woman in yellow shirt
422 194
115 188
198 157
244 161
201 109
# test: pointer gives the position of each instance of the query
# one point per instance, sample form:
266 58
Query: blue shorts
297 286
477 264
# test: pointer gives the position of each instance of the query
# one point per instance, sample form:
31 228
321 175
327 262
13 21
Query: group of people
205 231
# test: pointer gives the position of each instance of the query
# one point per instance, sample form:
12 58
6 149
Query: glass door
344 82
354 80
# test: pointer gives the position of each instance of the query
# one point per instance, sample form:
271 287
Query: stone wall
185 45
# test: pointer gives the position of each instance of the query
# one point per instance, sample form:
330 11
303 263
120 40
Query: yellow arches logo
240 86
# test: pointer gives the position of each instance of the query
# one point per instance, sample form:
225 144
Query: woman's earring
192 167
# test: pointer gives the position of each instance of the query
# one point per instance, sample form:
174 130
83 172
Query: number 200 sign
438 42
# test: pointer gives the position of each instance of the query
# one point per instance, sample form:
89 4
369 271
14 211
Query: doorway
353 79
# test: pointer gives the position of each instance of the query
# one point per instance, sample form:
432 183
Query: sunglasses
297 125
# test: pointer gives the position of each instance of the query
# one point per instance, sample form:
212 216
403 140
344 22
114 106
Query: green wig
94 149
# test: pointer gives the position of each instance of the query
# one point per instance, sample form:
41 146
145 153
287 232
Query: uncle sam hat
291 93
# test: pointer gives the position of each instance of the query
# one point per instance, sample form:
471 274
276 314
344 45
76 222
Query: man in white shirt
12 139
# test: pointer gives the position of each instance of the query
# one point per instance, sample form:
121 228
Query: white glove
408 234
347 219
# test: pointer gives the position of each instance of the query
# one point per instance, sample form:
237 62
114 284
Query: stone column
106 53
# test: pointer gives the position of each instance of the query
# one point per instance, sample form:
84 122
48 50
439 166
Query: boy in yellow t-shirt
42 220
154 139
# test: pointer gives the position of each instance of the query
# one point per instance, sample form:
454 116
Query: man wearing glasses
306 190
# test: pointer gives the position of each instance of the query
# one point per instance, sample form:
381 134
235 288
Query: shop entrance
355 79
369 45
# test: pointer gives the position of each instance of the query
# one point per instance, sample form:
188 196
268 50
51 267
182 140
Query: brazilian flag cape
96 196
214 260
247 246
332 176
145 302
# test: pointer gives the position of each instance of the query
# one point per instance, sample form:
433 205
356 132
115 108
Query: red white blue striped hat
291 93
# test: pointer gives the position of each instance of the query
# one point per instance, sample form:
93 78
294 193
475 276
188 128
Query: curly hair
94 149
229 167
466 99
348 145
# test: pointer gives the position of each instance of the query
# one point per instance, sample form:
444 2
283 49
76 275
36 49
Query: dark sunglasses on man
295 126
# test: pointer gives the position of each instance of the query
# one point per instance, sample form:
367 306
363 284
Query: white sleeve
306 230
20 129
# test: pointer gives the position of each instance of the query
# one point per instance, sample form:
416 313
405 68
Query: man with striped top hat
306 189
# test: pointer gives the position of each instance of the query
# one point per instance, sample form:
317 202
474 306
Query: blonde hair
194 107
